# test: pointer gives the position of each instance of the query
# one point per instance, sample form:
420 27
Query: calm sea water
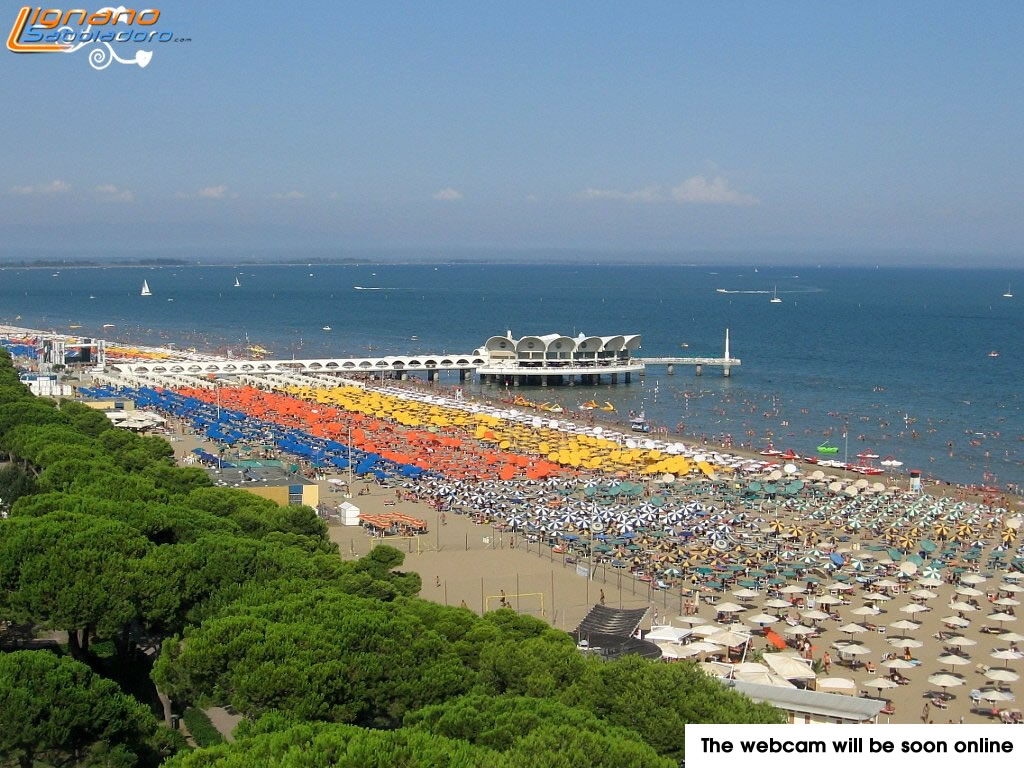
902 356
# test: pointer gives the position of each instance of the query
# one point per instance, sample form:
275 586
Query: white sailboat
145 289
775 296
237 284
1008 294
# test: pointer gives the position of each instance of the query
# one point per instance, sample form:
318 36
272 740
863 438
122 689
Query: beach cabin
803 707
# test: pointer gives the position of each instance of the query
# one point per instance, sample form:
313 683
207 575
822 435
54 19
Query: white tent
349 513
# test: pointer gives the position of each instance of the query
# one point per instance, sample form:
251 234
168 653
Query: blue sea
900 355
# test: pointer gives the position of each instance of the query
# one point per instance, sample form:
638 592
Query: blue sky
749 127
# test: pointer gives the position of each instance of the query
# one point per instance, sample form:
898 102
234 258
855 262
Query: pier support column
670 370
727 371
515 381
543 381
615 378
699 369
462 375
432 376
570 381
405 376
629 378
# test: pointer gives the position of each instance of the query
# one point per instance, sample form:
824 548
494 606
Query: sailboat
145 289
1008 294
237 284
775 296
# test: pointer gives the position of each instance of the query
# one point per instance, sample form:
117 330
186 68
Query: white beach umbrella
973 578
994 694
930 581
865 610
905 624
799 629
815 615
1006 654
851 629
955 621
876 597
777 603
762 619
963 607
1006 601
792 589
880 683
1002 675
897 664
968 591
746 594
945 680
703 646
905 642
952 660
729 608
958 641
691 620
913 608
829 600
923 594
1012 637
729 638
1001 617
854 649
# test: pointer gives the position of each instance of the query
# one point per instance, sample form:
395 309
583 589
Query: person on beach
924 712
602 597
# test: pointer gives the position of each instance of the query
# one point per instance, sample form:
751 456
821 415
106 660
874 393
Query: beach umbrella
953 660
1007 655
703 646
955 621
969 591
973 578
880 683
913 608
958 641
905 642
994 694
876 597
746 594
1001 617
1009 587
1006 601
865 610
923 594
931 578
777 603
962 607
906 624
897 664
854 649
762 619
729 638
945 680
815 615
729 608
799 629
1002 675
851 629
1012 637
828 600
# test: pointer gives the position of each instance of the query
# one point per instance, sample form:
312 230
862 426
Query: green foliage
323 745
320 655
525 726
658 700
84 419
15 483
202 730
57 710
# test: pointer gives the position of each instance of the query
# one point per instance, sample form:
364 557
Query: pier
552 359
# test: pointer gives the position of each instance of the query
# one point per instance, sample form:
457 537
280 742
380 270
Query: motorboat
828 449
994 353
327 328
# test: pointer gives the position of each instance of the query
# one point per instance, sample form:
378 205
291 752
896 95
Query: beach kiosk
349 513
915 481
